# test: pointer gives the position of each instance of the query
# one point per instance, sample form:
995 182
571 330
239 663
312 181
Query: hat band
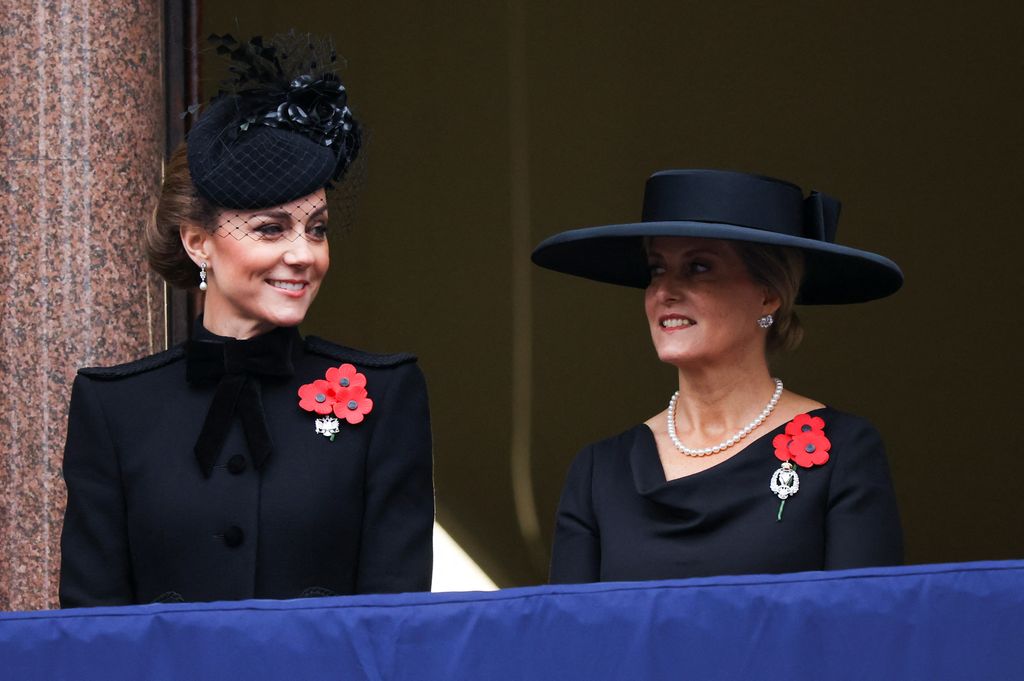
769 206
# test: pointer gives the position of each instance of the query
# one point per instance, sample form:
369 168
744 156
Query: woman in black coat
250 462
737 475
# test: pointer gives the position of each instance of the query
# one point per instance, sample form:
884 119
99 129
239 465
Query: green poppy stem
778 518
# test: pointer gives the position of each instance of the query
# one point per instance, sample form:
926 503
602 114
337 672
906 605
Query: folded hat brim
614 254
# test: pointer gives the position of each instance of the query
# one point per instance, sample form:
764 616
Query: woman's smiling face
702 304
265 266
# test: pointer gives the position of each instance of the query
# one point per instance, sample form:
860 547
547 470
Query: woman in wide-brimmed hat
250 462
736 475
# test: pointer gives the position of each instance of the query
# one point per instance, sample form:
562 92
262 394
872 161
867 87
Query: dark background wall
495 124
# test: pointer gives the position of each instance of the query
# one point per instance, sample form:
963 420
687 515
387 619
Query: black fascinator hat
279 129
719 204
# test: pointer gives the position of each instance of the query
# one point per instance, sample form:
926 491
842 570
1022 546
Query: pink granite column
81 144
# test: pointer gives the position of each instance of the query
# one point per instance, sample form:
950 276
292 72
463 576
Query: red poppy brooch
803 443
341 394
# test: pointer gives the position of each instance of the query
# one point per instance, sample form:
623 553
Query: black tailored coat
320 517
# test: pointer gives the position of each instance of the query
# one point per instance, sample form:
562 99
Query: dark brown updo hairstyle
179 203
781 270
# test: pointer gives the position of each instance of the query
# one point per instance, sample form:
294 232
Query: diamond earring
202 276
765 321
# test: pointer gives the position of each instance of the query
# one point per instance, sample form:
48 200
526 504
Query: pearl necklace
745 431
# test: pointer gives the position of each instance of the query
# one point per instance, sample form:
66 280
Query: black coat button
236 464
233 536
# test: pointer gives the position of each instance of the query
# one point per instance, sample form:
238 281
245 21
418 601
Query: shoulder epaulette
325 348
137 367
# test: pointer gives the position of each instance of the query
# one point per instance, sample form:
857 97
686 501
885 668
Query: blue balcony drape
933 622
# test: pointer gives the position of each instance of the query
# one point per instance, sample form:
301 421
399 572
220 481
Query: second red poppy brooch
341 394
803 443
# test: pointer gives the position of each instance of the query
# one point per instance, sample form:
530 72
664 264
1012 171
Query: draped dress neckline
649 474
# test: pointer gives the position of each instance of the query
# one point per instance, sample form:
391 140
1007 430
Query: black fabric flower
316 106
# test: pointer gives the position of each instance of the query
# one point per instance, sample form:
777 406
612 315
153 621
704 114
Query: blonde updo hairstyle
781 270
179 203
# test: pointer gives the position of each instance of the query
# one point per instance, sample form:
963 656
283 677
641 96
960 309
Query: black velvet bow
237 366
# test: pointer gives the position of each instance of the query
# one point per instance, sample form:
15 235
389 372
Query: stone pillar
81 146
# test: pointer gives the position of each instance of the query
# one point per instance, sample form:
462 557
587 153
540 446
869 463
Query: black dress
620 520
282 514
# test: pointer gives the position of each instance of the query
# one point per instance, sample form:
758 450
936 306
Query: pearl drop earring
202 276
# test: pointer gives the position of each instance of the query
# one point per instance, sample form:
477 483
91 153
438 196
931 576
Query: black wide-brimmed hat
280 130
719 204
